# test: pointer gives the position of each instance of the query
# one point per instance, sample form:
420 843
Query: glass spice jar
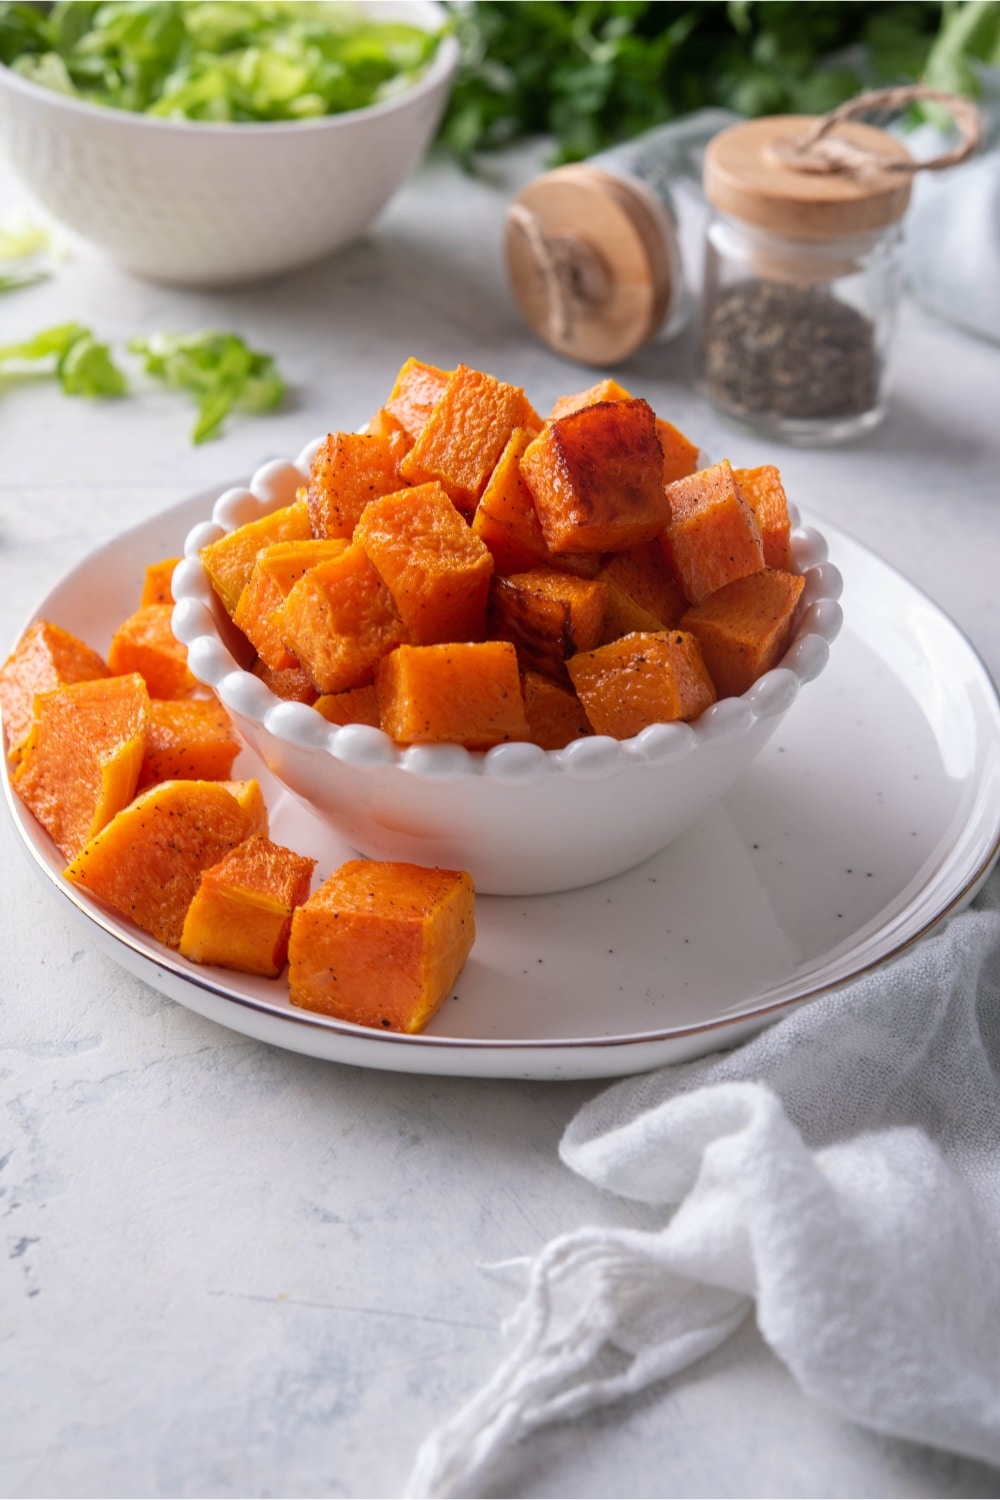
802 278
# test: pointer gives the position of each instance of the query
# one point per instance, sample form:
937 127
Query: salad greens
216 60
82 366
598 71
22 245
218 369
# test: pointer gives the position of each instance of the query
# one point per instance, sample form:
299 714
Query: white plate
872 814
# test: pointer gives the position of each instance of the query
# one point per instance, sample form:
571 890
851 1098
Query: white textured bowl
200 204
520 819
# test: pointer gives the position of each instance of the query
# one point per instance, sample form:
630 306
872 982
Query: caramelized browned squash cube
712 537
241 914
596 478
350 469
640 680
293 684
764 492
339 620
80 762
188 739
145 643
467 694
229 561
461 442
547 615
45 657
555 714
418 389
148 861
381 943
745 628
434 565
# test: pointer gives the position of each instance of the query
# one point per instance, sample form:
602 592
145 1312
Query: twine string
817 150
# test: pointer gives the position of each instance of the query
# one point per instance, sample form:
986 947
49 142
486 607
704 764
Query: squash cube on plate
547 615
505 518
384 424
80 763
156 585
463 694
275 573
293 684
596 478
680 455
188 740
764 492
417 391
554 713
646 575
745 628
642 679
148 861
461 442
339 620
229 561
45 657
241 914
350 469
712 536
604 390
433 564
145 643
354 706
381 943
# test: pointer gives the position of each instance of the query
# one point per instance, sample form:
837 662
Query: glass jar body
796 333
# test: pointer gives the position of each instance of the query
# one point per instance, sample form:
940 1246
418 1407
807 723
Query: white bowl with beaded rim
206 204
521 820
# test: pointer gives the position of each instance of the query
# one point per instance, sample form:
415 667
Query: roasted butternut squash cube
384 424
433 564
547 615
745 628
293 684
381 943
646 575
229 561
339 620
81 759
764 492
355 706
350 469
555 714
464 694
596 478
241 914
604 390
145 643
45 657
156 584
188 739
417 391
505 518
712 536
680 455
275 573
642 679
148 861
623 616
461 442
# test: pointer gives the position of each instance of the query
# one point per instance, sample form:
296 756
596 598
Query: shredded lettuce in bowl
226 61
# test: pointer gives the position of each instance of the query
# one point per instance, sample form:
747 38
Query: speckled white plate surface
872 814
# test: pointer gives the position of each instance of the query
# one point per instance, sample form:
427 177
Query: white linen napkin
839 1174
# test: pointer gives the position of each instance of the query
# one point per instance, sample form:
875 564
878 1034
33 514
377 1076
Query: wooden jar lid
592 263
749 174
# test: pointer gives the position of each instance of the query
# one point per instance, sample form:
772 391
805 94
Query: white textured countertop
231 1270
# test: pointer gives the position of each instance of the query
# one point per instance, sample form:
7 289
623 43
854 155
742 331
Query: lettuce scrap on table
71 353
219 370
217 60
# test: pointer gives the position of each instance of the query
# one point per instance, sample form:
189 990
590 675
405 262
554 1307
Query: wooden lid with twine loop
593 264
813 178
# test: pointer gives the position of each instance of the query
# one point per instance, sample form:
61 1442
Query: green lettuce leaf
218 369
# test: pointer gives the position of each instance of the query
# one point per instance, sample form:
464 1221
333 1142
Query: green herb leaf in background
218 369
82 366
